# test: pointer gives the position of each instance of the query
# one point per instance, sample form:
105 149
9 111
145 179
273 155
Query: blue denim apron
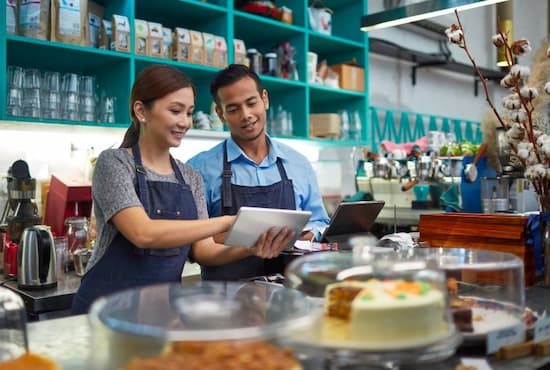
126 266
278 195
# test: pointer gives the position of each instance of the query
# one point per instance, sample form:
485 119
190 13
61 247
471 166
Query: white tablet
252 221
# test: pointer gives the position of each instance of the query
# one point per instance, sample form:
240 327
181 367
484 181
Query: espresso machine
510 191
20 211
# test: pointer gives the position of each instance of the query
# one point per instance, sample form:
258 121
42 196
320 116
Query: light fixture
505 20
418 11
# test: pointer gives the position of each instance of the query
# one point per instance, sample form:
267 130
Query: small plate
490 315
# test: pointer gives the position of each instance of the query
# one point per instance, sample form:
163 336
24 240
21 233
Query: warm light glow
436 12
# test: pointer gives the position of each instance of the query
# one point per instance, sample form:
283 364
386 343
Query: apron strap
281 168
143 194
227 199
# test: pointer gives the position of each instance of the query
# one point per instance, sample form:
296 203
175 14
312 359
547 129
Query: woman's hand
271 243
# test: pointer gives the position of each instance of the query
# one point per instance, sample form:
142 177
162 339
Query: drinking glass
51 95
108 109
13 325
31 93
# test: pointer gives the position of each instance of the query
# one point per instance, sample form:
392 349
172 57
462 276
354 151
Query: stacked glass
51 95
15 91
87 99
31 93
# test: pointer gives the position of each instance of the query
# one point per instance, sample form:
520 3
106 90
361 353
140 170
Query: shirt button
178 213
158 212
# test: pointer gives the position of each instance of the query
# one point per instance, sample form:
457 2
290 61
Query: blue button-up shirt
246 172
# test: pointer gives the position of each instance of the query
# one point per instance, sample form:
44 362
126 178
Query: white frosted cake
384 313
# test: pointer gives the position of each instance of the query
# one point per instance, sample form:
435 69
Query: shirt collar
234 151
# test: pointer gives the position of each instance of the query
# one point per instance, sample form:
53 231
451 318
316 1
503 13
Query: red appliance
10 258
67 198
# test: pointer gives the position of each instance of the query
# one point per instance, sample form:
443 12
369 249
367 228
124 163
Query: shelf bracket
422 65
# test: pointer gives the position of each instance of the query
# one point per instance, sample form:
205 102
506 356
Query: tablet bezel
353 218
252 221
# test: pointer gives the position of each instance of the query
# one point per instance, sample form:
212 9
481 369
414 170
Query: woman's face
169 118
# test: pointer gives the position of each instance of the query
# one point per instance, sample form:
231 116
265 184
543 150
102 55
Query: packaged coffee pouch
155 39
69 19
209 48
105 35
121 33
166 42
220 55
95 15
11 17
182 45
240 52
197 47
34 18
141 34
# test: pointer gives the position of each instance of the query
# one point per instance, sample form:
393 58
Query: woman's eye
175 111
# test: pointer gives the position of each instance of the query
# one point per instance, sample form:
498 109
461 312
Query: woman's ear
139 110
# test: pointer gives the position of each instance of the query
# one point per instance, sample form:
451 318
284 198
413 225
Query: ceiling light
418 11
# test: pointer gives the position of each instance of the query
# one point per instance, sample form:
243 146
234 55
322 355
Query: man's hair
230 75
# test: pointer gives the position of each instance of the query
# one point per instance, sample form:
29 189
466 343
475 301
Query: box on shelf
240 52
154 41
120 33
220 56
182 45
350 76
141 32
197 47
95 15
167 39
209 48
326 125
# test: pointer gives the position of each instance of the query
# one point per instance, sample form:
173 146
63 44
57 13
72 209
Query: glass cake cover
400 315
141 322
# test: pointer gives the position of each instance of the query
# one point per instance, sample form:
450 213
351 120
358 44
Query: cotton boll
498 40
519 71
545 149
547 88
529 93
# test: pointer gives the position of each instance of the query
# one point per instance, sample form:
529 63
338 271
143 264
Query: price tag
478 363
542 330
503 337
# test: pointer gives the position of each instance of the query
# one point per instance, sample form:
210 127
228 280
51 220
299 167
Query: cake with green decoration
391 312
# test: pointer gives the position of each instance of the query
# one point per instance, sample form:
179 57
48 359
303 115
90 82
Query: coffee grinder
19 212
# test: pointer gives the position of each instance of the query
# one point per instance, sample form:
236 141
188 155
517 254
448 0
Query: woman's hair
230 75
151 84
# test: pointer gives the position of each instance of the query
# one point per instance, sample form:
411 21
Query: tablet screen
353 218
252 221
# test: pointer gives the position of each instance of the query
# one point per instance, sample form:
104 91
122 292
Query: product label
29 18
542 330
69 17
499 338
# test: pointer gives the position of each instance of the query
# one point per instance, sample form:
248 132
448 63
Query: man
251 169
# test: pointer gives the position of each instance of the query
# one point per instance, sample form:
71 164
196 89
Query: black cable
10 278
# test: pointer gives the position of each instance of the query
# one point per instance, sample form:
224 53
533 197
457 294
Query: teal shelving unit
116 71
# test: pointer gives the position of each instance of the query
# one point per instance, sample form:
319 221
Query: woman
150 209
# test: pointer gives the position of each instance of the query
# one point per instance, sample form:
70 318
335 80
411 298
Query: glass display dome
145 322
378 308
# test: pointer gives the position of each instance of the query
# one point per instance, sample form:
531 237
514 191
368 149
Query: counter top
67 340
41 304
403 215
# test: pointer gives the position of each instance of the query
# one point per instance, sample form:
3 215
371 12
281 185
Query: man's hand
271 243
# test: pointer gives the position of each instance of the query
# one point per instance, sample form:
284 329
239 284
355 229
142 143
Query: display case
196 323
115 71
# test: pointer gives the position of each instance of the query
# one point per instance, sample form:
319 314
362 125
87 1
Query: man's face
243 108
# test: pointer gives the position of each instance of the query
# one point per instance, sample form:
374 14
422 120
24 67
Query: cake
242 355
384 313
30 361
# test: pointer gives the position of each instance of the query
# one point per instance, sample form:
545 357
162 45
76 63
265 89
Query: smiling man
251 169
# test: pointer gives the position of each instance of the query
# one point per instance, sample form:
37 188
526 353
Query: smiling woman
150 208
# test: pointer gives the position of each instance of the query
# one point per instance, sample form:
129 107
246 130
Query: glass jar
77 233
